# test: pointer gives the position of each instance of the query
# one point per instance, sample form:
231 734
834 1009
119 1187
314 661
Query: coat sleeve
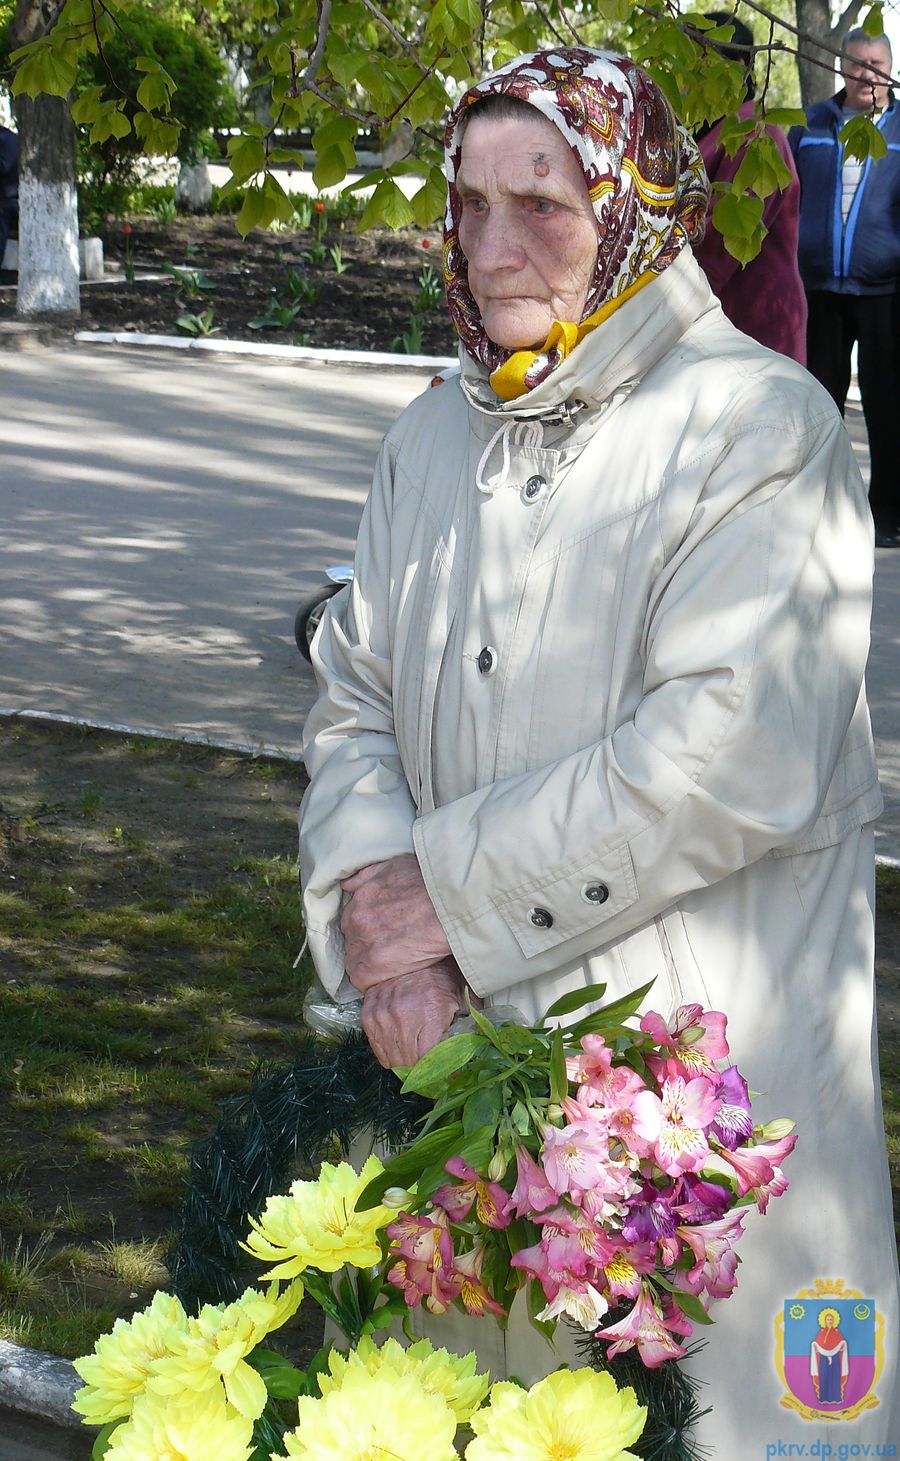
755 648
358 807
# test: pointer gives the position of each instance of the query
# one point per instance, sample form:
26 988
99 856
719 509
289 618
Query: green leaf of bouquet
477 1149
574 1000
620 1009
482 1111
101 1440
435 1146
692 1308
441 1062
559 1077
521 1040
486 1026
537 1302
282 1379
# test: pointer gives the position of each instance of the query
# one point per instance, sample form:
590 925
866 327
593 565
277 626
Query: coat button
541 917
487 660
533 488
595 892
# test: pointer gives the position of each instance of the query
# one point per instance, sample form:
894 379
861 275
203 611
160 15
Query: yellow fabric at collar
508 380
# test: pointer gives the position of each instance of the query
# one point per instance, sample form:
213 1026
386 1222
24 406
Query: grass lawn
149 923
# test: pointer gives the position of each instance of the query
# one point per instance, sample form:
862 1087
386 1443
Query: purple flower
733 1123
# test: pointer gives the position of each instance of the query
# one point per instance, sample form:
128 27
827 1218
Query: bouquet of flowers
607 1171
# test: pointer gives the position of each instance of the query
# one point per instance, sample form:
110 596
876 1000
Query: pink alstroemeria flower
675 1123
492 1202
756 1165
423 1248
532 1192
472 1291
535 1261
622 1276
599 1082
419 1282
645 1327
422 1239
595 1243
575 1158
712 1245
695 1038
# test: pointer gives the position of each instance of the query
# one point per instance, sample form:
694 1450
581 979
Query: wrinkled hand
389 924
403 1018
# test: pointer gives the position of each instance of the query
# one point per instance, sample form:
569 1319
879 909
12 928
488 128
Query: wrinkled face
864 89
527 228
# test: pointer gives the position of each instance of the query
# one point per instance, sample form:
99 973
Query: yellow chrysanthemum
380 1417
317 1225
572 1415
450 1376
117 1372
182 1430
216 1344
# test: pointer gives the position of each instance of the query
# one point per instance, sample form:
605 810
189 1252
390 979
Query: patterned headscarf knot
643 172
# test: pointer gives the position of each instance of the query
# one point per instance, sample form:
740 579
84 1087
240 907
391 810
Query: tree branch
569 26
393 31
805 37
308 78
846 20
557 35
368 119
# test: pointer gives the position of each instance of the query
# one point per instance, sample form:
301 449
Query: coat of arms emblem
829 1351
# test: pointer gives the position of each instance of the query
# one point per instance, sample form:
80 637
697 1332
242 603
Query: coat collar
618 354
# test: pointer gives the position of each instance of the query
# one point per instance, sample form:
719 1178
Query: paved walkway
161 515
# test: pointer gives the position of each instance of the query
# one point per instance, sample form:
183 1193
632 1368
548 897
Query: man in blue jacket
849 256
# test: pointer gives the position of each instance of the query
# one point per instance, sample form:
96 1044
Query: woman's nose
498 243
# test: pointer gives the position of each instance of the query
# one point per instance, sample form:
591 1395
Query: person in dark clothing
765 298
9 186
850 261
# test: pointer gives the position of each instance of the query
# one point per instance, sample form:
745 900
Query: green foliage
376 71
198 325
155 88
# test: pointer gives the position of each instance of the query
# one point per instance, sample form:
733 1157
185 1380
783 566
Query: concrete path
161 515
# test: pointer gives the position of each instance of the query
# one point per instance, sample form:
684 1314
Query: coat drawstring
524 433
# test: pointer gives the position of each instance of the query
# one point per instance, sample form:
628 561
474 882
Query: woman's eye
542 206
475 205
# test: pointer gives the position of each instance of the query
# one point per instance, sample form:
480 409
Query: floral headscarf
644 174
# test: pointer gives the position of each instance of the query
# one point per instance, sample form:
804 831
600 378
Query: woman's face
527 228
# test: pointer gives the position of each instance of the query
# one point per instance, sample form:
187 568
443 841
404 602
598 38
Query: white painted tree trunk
193 189
48 247
48 209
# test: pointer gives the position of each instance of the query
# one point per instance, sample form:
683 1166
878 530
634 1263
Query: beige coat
602 670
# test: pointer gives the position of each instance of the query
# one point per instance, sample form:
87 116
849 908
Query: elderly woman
593 709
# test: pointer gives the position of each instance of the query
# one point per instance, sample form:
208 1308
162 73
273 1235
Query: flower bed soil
366 307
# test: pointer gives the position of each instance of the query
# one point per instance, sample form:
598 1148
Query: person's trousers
872 322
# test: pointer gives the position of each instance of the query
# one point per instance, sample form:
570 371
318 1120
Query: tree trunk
48 209
814 17
193 189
